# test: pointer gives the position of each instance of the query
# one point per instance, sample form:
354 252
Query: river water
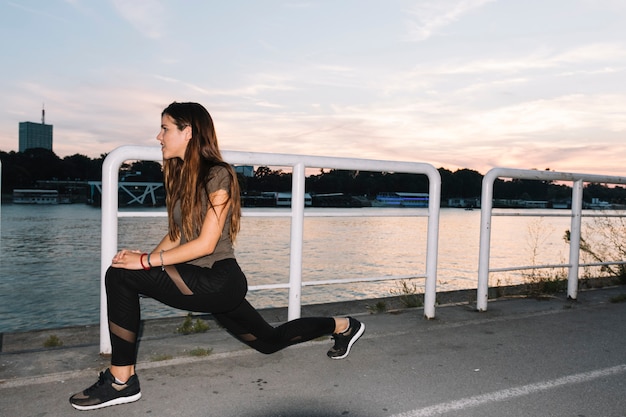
50 257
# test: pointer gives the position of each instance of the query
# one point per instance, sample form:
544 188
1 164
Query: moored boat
35 196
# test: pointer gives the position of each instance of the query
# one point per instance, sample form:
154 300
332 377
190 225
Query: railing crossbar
499 214
623 214
604 263
531 214
552 266
529 267
337 281
308 212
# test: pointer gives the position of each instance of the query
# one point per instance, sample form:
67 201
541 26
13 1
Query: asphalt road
522 357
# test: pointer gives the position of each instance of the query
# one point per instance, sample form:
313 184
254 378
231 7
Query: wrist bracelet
149 263
161 257
146 268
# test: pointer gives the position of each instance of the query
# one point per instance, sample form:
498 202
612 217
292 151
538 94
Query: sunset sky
453 83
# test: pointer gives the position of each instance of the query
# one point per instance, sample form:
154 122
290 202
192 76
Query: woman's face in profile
173 140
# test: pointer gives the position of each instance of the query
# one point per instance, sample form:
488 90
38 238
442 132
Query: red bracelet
146 268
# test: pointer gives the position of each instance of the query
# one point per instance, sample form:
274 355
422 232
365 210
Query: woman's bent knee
114 277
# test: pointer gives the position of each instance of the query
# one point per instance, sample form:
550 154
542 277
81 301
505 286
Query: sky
477 84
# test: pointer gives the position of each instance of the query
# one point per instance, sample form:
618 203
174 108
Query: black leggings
219 290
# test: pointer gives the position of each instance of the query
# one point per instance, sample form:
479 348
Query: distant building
35 135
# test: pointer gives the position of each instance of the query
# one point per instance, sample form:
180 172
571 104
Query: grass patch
409 294
543 284
201 351
190 326
53 341
552 285
379 307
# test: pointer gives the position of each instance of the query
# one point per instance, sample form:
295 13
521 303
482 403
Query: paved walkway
523 357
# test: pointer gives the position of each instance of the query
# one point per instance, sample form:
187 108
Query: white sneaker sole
116 401
354 339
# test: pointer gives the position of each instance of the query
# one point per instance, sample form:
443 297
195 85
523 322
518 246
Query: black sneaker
345 340
107 392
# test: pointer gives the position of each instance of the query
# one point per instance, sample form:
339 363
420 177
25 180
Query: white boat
34 196
284 199
400 199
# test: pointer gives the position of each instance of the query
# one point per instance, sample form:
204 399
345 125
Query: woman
193 267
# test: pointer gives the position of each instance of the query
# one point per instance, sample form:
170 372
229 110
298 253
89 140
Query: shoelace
98 383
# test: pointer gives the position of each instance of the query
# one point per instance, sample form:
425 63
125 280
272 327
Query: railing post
0 192
109 207
110 168
486 204
432 243
574 241
297 234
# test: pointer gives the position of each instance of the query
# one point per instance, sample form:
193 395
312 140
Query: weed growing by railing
53 341
200 351
542 281
189 326
605 241
410 294
379 307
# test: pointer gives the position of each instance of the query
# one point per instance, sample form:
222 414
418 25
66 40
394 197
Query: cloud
37 11
572 59
614 5
298 5
146 16
429 17
563 116
256 90
538 133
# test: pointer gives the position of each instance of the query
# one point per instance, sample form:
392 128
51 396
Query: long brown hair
186 180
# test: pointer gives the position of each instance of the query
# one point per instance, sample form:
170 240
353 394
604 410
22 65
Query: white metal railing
575 231
298 163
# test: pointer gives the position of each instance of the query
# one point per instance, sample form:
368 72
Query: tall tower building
35 135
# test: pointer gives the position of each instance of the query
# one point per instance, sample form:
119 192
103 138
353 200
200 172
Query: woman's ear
188 133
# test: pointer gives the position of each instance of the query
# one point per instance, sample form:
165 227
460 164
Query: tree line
28 169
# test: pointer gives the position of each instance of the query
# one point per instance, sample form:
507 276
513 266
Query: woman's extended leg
247 325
